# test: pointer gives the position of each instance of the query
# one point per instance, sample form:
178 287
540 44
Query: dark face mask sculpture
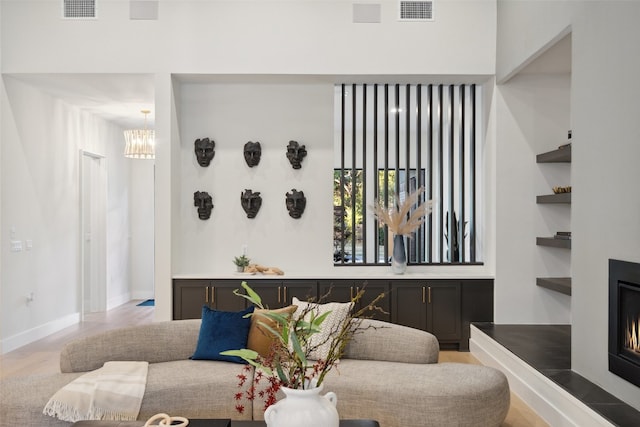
296 202
203 201
204 151
296 153
252 153
251 202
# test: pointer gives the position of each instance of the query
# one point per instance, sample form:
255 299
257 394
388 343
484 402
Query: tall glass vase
399 255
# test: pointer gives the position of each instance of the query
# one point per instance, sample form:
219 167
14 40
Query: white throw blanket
113 392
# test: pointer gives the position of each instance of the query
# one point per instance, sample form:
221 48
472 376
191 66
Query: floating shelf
554 198
553 242
558 284
561 155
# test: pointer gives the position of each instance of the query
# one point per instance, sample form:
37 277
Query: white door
93 233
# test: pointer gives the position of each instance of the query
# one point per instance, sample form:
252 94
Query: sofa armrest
377 340
153 343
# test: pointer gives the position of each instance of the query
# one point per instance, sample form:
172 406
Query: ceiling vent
416 10
79 9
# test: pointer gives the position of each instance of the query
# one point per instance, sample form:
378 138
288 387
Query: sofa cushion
222 331
260 339
195 389
420 395
329 328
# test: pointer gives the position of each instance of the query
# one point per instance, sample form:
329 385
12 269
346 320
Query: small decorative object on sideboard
269 271
203 201
402 220
296 153
204 150
241 262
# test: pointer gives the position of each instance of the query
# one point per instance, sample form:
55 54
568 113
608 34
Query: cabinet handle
423 294
213 295
206 294
429 294
351 292
279 299
285 296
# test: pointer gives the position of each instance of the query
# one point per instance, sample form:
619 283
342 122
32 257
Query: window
391 140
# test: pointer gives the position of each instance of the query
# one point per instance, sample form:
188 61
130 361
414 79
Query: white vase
303 408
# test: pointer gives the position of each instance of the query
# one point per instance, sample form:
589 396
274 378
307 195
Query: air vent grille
416 10
79 9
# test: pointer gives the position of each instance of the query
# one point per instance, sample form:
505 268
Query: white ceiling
117 98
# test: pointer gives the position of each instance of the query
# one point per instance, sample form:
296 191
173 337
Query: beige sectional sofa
389 374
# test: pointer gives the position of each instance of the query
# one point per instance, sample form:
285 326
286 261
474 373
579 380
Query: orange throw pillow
260 339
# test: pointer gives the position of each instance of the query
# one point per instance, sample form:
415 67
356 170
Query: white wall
41 139
533 117
284 38
141 214
605 208
249 37
231 115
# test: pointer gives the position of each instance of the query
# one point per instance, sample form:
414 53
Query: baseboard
552 403
39 332
117 301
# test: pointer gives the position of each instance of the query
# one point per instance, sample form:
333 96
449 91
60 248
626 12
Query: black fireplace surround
624 320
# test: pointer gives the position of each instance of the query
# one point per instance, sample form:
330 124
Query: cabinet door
336 290
304 290
221 296
270 292
373 288
409 304
345 290
188 298
443 310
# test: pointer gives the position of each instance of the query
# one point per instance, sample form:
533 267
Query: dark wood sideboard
444 307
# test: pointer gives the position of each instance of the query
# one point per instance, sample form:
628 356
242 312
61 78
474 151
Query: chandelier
140 143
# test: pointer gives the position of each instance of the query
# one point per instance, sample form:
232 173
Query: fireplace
624 320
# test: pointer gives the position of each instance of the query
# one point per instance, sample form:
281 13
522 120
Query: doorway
93 193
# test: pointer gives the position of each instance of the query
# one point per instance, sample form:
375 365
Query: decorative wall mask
251 202
204 151
203 201
296 202
296 153
252 153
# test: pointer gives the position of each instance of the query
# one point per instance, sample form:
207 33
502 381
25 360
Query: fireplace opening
624 320
630 301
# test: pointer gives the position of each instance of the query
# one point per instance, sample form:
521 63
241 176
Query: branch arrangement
401 219
288 364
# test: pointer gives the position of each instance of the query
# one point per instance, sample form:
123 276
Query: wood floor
42 357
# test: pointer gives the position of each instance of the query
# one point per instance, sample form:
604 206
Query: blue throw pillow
222 331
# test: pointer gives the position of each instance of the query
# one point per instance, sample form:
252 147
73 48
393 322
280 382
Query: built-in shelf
561 155
554 198
553 242
558 284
